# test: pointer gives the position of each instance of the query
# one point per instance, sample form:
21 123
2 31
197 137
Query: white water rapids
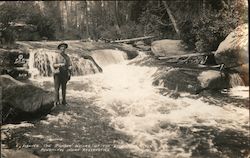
159 126
139 110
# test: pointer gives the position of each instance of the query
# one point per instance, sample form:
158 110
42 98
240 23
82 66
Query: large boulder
167 48
212 79
192 80
23 101
233 51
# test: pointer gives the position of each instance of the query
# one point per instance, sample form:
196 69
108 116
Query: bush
128 30
45 25
205 33
131 30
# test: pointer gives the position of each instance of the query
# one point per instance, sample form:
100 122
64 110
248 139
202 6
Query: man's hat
62 44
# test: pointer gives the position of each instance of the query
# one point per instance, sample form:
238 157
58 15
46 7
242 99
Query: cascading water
108 56
161 126
236 80
158 126
41 63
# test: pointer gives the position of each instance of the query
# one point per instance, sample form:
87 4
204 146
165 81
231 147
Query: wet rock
181 80
167 48
23 101
192 80
212 79
129 49
233 51
141 45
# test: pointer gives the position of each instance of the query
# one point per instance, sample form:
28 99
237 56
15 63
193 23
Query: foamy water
240 91
140 111
159 126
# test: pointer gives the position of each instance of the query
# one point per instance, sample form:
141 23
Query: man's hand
59 65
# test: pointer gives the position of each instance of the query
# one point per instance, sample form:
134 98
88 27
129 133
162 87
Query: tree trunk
117 24
76 16
204 7
87 19
172 18
66 16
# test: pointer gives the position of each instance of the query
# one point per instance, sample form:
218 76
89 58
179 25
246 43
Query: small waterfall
41 63
108 56
236 80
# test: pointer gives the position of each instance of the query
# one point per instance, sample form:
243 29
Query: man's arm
56 63
90 58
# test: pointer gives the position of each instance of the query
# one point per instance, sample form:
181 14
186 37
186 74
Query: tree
172 18
9 14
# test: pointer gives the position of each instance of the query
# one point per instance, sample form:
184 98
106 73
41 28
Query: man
62 72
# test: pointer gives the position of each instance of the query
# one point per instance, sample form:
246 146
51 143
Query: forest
187 20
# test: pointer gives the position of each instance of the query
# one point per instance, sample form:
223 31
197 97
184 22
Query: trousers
60 81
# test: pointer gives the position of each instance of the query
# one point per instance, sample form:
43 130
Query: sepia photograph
124 79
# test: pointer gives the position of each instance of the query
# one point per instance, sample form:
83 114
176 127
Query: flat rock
167 48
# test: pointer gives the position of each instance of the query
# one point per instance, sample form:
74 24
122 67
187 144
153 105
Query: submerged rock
23 101
167 48
233 51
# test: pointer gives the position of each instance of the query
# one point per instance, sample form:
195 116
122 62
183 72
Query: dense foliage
206 32
201 24
25 21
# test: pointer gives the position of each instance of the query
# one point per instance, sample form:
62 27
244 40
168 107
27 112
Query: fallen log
184 56
132 39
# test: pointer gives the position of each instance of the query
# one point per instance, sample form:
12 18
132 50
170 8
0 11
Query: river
119 113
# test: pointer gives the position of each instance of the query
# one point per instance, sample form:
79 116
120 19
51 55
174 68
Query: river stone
24 100
212 79
181 80
233 50
167 48
192 80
